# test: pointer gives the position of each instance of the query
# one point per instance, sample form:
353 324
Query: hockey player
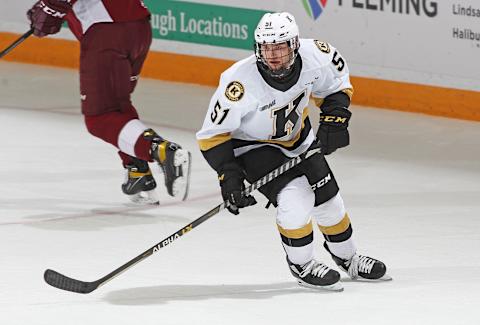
115 37
258 119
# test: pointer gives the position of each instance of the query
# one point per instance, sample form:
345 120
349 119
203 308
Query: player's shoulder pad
322 56
235 81
320 51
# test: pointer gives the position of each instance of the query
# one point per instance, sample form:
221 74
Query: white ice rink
411 184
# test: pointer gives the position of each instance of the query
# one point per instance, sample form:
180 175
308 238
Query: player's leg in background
139 38
174 161
123 130
109 63
105 84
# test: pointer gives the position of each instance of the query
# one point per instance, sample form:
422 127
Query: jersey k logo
285 118
314 7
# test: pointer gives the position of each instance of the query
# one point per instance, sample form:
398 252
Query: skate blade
384 278
145 198
336 287
181 185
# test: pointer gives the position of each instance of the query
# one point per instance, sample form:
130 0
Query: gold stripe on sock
138 174
296 233
340 227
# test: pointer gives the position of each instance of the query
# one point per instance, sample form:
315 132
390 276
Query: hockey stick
16 43
63 282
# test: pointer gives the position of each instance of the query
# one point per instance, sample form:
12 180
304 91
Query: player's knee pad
329 213
295 201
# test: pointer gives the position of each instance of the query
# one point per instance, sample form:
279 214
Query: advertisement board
433 43
420 41
219 26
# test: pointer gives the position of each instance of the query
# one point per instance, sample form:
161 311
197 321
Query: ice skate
175 163
316 275
361 267
139 183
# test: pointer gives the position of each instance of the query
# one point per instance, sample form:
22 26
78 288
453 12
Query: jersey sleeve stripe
319 101
349 92
207 144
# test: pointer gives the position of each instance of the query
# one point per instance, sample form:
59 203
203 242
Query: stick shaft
170 239
63 282
16 43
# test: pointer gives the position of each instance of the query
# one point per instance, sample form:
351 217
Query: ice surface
411 184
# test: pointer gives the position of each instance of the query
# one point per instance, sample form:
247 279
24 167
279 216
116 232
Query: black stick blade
63 282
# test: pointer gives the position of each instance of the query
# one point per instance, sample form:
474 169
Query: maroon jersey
85 13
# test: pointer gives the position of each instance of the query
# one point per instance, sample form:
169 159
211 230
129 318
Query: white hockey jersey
247 110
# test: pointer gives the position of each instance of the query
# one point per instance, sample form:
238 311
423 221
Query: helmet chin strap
280 73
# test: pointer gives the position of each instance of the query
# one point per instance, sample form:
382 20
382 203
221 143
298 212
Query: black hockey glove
231 179
332 132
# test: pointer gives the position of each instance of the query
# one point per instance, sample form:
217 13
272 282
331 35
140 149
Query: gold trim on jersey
319 101
296 233
349 92
291 143
207 144
339 228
